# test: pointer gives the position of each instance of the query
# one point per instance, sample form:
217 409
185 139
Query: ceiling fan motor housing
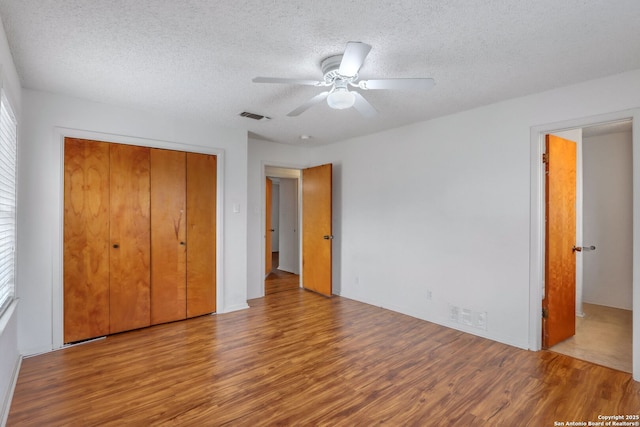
330 67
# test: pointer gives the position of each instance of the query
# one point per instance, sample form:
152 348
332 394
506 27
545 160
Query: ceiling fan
340 72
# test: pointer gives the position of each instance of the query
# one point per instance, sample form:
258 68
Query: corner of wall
10 360
8 397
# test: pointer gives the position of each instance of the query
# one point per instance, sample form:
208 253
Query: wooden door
130 238
168 236
268 231
86 239
201 234
559 304
316 229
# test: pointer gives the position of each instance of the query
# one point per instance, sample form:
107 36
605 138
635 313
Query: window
8 148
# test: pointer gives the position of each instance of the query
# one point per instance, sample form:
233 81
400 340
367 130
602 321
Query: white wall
442 208
9 355
261 155
608 220
289 223
439 207
40 223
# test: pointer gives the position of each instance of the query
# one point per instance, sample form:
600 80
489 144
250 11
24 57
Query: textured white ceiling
197 57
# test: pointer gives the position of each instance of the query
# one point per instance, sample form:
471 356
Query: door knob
577 249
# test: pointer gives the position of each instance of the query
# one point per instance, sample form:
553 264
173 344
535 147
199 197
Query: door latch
328 237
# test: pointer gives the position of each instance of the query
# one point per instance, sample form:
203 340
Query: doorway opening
592 291
602 283
305 236
282 225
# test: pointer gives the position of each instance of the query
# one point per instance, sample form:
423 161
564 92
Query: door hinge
545 313
545 158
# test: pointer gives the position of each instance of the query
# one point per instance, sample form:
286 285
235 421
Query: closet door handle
182 243
116 246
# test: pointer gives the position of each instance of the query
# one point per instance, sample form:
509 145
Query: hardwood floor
297 358
603 336
278 280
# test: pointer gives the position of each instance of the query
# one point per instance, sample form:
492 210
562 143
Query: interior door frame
263 221
57 224
268 237
537 226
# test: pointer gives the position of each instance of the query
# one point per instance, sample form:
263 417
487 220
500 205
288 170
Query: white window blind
8 148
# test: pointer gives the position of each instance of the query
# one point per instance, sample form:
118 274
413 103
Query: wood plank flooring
297 358
603 336
278 280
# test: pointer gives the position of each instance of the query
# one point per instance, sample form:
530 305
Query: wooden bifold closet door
168 236
139 237
86 240
201 233
129 291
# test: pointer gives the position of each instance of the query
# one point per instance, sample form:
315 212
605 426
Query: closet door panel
86 239
130 238
201 234
168 236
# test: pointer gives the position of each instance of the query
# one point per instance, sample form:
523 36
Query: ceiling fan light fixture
341 98
341 71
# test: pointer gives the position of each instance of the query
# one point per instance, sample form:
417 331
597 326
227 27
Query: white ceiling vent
254 116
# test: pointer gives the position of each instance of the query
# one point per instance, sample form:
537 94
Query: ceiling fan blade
287 81
310 103
363 106
353 57
399 84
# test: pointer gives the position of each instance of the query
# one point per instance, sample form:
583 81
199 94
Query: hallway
278 280
603 336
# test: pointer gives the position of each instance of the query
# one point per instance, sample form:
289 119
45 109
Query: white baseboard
236 307
6 405
288 269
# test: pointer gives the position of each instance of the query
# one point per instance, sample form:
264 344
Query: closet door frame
57 236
